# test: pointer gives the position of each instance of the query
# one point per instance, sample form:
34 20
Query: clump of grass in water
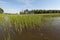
20 23
26 22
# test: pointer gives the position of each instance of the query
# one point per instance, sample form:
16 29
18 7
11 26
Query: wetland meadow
30 27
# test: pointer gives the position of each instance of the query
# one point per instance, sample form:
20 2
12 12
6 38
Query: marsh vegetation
30 27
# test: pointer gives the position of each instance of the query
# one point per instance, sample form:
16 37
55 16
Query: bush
1 11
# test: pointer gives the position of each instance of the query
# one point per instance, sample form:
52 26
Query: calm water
48 31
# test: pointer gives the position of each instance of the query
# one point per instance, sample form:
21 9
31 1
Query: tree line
39 11
34 11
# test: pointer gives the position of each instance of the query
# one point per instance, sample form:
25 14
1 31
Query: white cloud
26 2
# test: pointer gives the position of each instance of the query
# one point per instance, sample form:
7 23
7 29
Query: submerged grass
26 22
19 22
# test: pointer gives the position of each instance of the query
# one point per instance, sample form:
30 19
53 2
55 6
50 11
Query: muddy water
49 30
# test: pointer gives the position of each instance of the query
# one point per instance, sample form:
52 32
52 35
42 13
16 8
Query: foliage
1 10
39 11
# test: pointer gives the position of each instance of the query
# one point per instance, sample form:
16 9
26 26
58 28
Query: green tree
26 11
1 11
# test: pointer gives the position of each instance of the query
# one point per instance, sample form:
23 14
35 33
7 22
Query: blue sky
14 6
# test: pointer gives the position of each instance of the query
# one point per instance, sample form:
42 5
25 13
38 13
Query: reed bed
13 25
